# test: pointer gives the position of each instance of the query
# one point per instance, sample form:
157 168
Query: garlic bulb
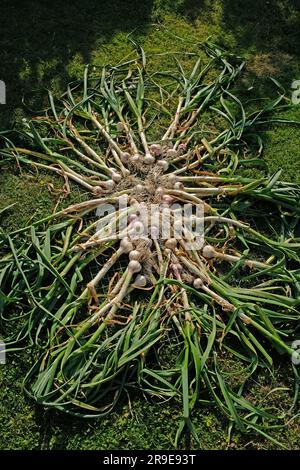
125 157
168 200
154 232
159 191
134 267
116 177
97 190
156 150
134 255
171 153
179 185
198 283
126 245
109 185
172 178
149 159
140 281
139 188
171 243
132 218
209 252
176 267
135 158
163 164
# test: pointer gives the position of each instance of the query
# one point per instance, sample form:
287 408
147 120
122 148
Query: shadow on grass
266 25
266 32
39 39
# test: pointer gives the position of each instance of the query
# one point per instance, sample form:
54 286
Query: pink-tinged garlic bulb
156 150
167 200
176 267
116 177
125 157
182 148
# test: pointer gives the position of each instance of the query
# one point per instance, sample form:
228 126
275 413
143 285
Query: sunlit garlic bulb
156 150
139 188
163 164
209 252
97 190
116 177
109 185
198 283
179 186
149 159
171 243
134 267
126 245
172 179
135 158
135 255
133 202
159 191
125 157
171 153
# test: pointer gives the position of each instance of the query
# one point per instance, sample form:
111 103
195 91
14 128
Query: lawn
46 47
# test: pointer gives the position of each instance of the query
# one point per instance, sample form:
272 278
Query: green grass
46 47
